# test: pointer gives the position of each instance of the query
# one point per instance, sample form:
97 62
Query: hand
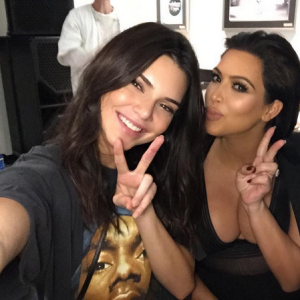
255 181
135 189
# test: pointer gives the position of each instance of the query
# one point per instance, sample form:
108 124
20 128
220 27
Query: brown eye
137 85
239 87
143 255
101 266
215 77
167 108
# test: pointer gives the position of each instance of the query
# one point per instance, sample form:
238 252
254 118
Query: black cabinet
36 87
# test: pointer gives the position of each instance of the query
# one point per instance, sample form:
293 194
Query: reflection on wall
78 3
261 10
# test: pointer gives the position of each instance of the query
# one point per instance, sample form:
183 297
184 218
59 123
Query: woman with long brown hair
143 84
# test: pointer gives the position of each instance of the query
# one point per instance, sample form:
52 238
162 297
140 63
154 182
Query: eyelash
242 88
215 77
168 109
137 85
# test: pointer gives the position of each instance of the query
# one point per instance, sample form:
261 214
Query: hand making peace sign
255 181
135 189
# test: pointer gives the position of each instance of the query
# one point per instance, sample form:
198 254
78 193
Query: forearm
14 230
172 264
201 291
281 253
75 58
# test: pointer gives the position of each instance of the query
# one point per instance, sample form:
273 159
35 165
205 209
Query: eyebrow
137 241
107 245
237 77
146 80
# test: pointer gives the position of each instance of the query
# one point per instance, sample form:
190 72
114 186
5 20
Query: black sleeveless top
238 270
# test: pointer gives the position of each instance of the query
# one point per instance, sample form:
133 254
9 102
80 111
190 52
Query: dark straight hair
177 168
281 74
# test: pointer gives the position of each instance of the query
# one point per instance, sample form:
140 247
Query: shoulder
40 164
41 156
291 150
81 11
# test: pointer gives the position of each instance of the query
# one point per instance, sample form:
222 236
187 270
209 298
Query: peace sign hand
254 182
135 189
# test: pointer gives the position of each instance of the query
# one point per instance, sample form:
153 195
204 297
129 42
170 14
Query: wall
5 142
206 35
206 17
130 12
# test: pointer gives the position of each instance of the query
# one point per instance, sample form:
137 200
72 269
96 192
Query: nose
124 273
144 108
217 94
123 269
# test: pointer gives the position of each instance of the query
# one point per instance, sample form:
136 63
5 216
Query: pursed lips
213 114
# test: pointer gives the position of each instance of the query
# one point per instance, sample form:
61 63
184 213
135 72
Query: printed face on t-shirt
123 270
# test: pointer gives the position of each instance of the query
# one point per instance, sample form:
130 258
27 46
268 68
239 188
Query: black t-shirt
54 247
59 250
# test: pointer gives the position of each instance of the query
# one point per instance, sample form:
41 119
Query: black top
54 248
237 270
59 248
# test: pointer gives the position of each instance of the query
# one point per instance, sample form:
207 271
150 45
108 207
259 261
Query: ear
272 110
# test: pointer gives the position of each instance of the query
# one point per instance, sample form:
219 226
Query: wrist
255 208
147 216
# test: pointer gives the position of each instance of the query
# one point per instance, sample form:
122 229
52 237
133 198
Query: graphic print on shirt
123 269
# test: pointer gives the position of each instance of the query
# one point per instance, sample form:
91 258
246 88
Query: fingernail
254 170
275 127
249 180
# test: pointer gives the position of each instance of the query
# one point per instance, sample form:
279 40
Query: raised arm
14 230
171 263
280 250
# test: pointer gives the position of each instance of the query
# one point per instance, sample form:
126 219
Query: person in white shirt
86 30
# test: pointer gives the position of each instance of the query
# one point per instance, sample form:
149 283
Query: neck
237 150
107 158
102 6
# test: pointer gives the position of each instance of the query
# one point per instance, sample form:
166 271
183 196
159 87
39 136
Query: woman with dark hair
142 84
248 226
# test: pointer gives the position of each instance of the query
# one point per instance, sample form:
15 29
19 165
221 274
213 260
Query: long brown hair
177 167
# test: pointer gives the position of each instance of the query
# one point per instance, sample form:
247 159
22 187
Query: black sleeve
29 188
289 165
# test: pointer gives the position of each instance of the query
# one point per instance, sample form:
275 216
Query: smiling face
143 109
123 269
235 97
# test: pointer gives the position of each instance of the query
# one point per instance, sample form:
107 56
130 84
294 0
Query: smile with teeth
129 124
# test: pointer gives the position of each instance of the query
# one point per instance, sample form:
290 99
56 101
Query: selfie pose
55 201
248 227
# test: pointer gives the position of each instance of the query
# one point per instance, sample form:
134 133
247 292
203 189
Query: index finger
149 155
270 155
120 160
264 144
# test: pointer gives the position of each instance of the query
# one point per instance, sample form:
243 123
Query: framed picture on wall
172 13
259 14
